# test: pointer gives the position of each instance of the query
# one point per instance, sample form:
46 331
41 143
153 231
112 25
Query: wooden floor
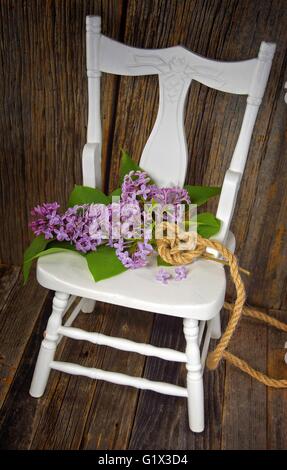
78 413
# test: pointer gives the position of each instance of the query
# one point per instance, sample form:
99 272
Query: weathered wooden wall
44 105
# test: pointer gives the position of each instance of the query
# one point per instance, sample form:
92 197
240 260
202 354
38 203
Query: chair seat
200 295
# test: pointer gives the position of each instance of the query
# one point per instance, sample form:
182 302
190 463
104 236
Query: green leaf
49 251
201 194
116 192
65 245
207 224
127 165
161 262
86 195
104 263
37 246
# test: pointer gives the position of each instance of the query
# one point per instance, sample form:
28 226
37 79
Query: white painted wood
91 166
194 376
71 300
91 160
227 201
165 154
216 327
206 343
255 95
199 296
123 344
88 306
120 59
120 379
201 331
93 38
234 174
231 242
74 313
48 346
72 317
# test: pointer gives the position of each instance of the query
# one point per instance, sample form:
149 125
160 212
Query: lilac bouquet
115 232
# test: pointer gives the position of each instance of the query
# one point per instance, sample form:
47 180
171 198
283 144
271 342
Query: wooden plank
8 279
76 412
55 419
277 399
67 399
43 97
42 137
19 411
161 421
245 399
81 413
17 320
113 408
228 31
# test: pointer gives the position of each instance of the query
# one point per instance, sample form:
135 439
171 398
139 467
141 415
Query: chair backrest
165 154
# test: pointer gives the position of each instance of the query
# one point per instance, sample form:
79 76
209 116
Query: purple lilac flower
120 225
181 273
99 223
135 259
47 218
163 276
61 234
125 220
135 184
73 225
169 195
170 203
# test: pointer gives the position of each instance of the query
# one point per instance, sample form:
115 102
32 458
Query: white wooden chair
199 299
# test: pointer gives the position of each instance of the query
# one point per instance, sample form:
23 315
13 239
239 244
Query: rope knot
177 246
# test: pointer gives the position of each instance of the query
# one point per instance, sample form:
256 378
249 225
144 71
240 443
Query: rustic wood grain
161 421
8 278
43 98
20 411
17 320
114 406
244 413
67 401
229 30
77 411
277 399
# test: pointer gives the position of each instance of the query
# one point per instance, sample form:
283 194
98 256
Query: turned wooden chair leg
216 327
88 305
48 346
195 398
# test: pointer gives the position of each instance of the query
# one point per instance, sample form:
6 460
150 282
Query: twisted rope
179 248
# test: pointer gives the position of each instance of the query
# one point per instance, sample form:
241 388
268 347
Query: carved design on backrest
165 153
175 71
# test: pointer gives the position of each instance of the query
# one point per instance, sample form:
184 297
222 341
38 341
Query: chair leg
195 398
216 327
88 306
48 346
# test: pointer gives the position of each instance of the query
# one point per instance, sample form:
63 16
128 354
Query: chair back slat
165 154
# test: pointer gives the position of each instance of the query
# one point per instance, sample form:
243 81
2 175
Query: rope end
211 361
